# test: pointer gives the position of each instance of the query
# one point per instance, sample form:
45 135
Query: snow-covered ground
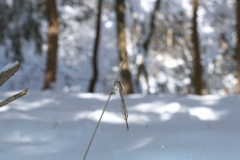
58 126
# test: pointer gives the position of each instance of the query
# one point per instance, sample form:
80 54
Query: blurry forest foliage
158 38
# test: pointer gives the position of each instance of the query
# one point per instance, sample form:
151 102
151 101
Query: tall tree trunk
53 31
152 26
122 45
95 51
238 42
196 55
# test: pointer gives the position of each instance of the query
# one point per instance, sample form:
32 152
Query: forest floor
58 126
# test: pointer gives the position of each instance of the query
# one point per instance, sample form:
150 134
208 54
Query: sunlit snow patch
204 113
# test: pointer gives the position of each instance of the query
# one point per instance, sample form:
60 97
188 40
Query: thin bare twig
112 91
14 97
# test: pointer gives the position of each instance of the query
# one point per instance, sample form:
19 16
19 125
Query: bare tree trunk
238 43
196 55
122 45
95 52
152 26
53 31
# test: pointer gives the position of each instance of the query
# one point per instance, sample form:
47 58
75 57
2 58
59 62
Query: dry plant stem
14 97
4 76
97 125
124 110
123 105
112 91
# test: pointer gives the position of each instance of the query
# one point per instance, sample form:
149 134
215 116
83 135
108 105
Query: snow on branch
8 71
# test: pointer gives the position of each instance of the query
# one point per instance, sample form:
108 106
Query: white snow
58 126
8 66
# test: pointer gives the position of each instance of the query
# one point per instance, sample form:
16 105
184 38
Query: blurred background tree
52 49
122 46
95 48
196 55
158 36
238 42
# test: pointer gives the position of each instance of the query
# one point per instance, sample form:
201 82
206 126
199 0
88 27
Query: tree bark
238 43
95 51
53 31
196 55
152 26
122 45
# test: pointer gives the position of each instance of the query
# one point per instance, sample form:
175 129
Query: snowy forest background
159 38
